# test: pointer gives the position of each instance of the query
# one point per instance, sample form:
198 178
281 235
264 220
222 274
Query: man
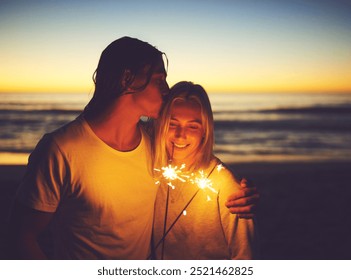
90 179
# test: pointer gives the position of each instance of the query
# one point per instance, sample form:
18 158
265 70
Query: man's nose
165 89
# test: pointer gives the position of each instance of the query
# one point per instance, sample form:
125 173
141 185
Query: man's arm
244 202
26 225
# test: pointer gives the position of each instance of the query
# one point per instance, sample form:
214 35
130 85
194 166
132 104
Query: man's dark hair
120 63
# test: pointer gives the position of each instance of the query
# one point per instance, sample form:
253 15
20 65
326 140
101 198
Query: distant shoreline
13 158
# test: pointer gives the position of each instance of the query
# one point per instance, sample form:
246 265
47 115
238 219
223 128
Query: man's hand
244 202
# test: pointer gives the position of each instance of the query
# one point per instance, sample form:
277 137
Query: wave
340 126
344 109
315 110
291 119
41 111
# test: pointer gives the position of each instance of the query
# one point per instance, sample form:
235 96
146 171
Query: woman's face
185 132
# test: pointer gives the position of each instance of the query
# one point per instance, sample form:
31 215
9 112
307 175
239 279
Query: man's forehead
160 68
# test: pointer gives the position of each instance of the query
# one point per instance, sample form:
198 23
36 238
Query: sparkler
203 182
183 212
171 173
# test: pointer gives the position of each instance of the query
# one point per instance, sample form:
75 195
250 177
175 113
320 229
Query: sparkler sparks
220 167
203 182
172 173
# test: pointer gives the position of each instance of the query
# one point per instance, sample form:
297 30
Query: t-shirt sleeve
46 177
239 233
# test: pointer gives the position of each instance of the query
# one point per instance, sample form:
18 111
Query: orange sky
226 47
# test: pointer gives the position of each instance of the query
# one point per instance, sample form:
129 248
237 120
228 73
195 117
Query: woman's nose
180 132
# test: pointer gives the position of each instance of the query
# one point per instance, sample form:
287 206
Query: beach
302 213
303 209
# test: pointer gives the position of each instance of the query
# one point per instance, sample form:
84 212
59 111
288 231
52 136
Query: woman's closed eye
194 126
173 124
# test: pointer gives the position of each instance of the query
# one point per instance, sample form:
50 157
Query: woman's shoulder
222 175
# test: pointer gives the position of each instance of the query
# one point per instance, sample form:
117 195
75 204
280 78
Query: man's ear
126 79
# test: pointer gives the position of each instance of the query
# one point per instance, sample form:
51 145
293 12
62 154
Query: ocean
248 127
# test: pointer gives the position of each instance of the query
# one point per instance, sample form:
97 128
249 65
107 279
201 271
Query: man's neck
117 126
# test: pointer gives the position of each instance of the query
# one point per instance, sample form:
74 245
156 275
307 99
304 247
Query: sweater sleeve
239 233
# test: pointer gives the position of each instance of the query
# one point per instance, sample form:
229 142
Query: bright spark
170 184
203 182
172 173
219 167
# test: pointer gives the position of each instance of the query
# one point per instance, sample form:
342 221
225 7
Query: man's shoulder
65 136
69 131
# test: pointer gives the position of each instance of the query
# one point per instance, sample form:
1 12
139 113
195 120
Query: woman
191 220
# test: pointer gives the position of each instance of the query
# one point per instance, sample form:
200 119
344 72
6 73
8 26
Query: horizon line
208 91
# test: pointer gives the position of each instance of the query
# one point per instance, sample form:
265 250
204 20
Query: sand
304 210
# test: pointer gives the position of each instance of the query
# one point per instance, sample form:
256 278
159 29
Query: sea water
248 127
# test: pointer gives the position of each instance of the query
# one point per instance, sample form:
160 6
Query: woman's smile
180 146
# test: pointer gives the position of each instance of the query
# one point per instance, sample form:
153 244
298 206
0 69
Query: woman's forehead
186 108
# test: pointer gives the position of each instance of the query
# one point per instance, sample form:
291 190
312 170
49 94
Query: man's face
150 99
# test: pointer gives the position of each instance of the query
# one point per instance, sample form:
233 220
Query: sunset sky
227 46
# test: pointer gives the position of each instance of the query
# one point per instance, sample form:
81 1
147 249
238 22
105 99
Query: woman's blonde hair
184 91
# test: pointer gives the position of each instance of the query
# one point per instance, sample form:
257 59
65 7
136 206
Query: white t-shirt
103 199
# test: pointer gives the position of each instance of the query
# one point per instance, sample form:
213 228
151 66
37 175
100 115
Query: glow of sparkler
171 173
203 182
